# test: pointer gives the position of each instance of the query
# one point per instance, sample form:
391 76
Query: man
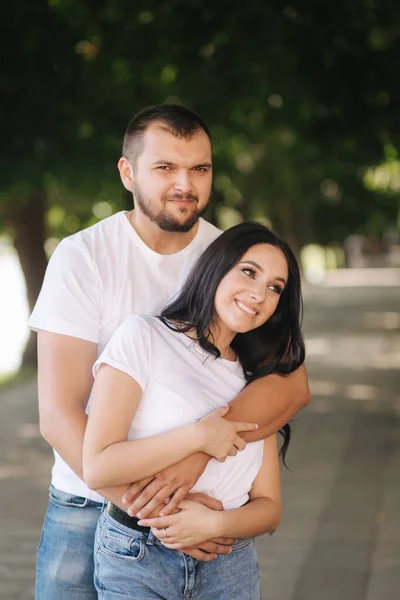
132 262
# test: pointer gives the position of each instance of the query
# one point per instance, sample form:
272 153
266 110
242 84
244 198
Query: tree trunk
27 219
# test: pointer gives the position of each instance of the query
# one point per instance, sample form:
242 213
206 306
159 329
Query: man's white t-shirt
98 277
181 383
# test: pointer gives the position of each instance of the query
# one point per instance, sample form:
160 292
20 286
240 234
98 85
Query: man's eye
164 168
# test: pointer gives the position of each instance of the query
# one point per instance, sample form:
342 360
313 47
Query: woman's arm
110 460
263 513
196 523
271 402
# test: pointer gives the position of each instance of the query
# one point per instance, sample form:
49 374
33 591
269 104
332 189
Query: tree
301 102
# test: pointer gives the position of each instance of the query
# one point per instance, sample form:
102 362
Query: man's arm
64 383
270 402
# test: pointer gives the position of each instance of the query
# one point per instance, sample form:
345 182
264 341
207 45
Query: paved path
340 535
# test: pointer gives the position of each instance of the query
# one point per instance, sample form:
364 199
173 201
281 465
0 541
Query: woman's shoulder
139 323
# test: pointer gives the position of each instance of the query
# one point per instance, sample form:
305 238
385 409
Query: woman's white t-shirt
181 383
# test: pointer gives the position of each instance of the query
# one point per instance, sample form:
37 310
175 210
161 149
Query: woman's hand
220 437
193 525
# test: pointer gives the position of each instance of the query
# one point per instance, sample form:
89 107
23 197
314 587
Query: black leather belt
122 517
132 522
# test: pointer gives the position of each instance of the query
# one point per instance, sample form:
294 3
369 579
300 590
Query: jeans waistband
122 517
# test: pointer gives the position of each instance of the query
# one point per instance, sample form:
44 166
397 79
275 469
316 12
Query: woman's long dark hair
277 346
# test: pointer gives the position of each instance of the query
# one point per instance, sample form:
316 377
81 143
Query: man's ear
126 173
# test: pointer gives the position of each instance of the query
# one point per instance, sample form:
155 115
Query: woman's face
249 293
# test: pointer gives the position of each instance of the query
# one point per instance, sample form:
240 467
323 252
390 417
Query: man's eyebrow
168 163
257 266
204 165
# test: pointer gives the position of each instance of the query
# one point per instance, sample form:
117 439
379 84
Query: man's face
172 178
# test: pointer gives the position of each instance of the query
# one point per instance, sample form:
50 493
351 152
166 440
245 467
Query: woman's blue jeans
65 553
134 565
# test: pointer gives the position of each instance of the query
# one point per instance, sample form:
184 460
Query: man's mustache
178 197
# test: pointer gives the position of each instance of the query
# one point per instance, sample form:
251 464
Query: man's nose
183 182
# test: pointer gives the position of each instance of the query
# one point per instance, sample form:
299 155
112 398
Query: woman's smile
247 309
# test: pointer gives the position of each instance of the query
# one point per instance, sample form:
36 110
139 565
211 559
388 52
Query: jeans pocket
60 498
120 545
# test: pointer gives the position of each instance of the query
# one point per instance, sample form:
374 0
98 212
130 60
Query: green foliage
301 103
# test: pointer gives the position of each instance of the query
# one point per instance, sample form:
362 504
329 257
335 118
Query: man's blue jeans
134 565
65 553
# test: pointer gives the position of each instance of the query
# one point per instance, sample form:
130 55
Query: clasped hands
167 493
166 499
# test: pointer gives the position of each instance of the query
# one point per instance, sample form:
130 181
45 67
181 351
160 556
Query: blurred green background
303 101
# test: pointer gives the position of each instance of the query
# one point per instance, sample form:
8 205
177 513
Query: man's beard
165 220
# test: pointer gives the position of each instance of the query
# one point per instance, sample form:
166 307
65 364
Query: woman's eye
250 272
276 288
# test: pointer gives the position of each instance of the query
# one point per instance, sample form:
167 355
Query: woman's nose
257 293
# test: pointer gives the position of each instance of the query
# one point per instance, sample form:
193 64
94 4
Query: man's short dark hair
179 121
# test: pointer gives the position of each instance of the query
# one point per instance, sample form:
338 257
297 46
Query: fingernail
139 515
161 514
131 513
124 500
167 500
139 522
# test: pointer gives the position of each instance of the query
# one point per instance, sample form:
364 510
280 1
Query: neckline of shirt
234 365
139 242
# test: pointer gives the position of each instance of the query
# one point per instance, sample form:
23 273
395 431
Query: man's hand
208 551
166 490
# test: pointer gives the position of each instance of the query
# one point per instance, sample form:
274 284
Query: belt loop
150 539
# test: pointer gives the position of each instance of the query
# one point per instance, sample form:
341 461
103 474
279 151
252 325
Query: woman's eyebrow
251 262
257 266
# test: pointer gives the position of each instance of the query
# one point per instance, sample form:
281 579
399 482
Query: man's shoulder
208 232
106 228
95 240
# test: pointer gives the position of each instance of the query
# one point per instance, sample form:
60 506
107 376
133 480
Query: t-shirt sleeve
129 350
70 299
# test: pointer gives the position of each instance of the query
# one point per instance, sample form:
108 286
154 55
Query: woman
161 389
